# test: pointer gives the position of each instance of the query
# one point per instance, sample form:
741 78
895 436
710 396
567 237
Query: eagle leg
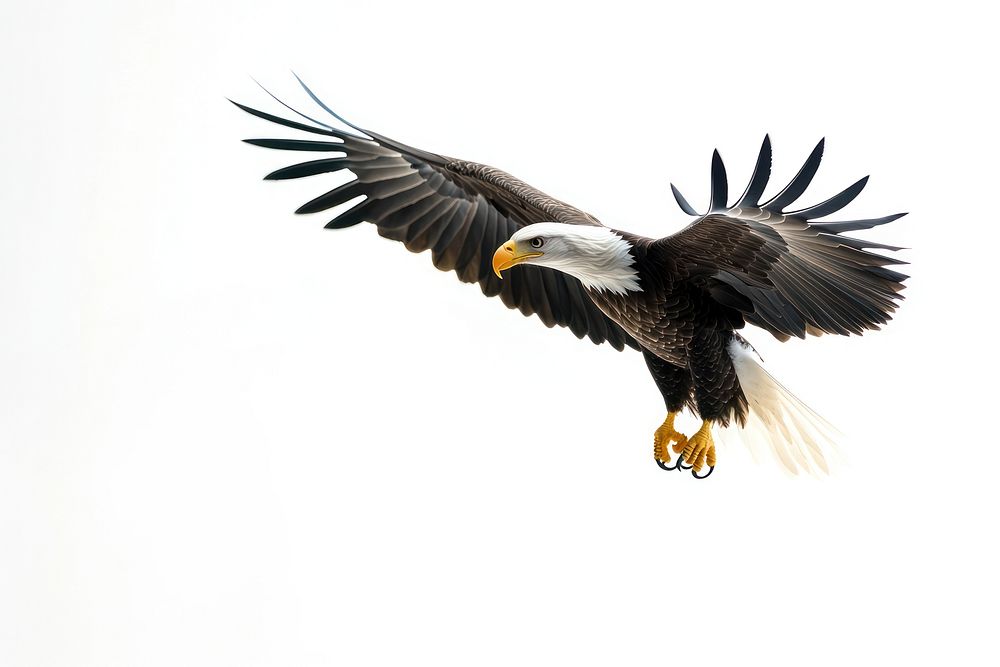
662 438
699 450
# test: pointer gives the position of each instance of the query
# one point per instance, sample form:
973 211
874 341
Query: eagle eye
537 242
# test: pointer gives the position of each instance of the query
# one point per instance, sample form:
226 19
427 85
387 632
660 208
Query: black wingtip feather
834 203
855 225
339 195
349 218
290 108
310 168
327 109
761 175
682 202
298 145
288 123
720 184
800 182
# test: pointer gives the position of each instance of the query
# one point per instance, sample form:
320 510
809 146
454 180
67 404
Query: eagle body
680 300
683 332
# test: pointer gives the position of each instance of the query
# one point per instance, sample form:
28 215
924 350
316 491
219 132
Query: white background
229 437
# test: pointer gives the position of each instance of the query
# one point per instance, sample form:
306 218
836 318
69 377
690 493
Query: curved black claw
681 464
664 466
694 473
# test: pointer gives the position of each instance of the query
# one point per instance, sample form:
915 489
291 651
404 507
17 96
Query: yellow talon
664 436
699 449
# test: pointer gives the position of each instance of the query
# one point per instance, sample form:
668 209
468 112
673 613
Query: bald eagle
679 300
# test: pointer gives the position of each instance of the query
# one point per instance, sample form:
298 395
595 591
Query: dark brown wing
782 271
460 211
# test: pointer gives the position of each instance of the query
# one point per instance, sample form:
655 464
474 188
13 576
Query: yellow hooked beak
508 255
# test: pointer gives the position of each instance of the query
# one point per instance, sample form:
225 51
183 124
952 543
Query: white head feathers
596 256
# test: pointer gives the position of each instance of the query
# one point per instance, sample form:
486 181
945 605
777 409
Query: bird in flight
679 300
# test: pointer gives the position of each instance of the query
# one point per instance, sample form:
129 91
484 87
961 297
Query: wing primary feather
720 185
404 207
890 275
352 189
382 139
761 175
352 216
861 244
855 225
298 145
683 203
290 108
797 185
834 203
335 197
291 123
310 168
327 109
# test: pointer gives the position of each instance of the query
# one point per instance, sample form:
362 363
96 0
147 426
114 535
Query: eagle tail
779 424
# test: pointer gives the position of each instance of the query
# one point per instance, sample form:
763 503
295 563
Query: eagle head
597 256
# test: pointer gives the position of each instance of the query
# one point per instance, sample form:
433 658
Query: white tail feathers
778 422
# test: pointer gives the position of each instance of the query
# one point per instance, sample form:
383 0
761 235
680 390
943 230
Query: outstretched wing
781 270
461 211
